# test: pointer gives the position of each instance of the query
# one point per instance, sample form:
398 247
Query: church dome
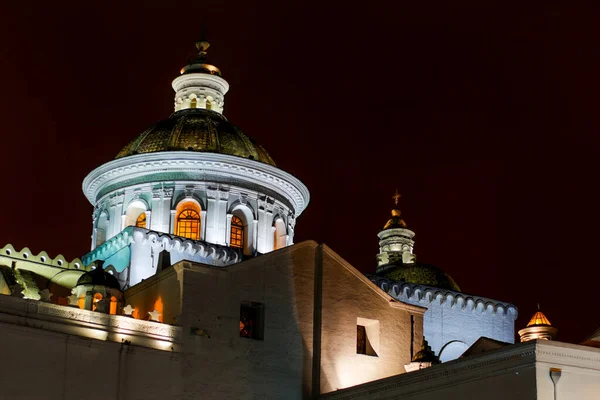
197 129
421 274
99 277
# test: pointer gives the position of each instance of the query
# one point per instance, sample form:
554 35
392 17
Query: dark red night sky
483 115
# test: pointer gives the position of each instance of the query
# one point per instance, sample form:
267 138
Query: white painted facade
453 320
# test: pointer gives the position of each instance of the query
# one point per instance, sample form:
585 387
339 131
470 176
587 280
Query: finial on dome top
202 46
201 64
396 197
395 221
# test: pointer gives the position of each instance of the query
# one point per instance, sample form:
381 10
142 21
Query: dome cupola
192 185
200 84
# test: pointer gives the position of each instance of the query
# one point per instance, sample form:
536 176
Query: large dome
197 129
421 274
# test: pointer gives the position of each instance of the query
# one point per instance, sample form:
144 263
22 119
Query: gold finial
396 197
202 45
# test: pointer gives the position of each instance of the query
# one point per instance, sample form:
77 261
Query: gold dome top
539 319
200 63
197 130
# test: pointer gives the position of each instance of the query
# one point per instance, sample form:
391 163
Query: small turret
539 327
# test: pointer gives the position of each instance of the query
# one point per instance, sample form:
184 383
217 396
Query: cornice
190 165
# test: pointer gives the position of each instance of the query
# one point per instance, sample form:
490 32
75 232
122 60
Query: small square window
367 337
252 315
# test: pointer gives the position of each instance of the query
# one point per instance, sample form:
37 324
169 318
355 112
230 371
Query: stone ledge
89 324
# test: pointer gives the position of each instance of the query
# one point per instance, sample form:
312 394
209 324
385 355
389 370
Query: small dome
99 277
197 130
421 274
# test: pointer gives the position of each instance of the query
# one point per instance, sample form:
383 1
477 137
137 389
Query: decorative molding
194 166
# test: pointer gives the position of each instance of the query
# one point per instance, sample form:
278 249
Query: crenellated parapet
158 241
428 295
8 252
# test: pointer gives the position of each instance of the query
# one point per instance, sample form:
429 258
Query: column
254 228
157 221
172 222
148 219
203 225
223 224
228 230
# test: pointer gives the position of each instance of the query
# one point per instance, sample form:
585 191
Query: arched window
97 298
188 224
193 103
101 228
279 234
237 232
141 221
135 210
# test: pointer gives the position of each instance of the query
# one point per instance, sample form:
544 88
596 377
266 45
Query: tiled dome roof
197 130
421 274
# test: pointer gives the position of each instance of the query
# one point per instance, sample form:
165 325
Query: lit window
237 232
96 299
252 316
193 103
188 224
141 221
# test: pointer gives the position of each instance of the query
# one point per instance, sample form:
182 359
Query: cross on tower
396 197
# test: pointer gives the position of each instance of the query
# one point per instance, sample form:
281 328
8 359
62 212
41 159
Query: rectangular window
367 337
252 316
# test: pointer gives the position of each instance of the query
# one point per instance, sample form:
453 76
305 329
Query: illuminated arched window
97 298
141 221
237 232
193 103
188 224
208 105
